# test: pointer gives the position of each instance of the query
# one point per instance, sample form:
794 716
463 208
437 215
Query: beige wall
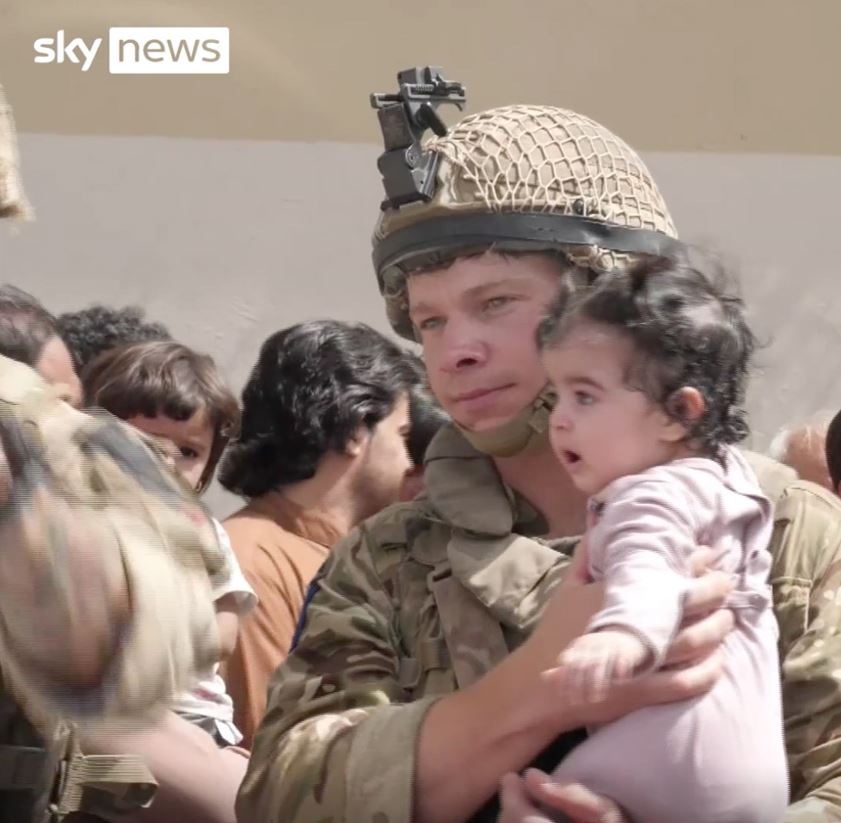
720 75
144 196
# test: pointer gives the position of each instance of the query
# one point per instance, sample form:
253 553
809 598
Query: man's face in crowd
806 454
477 320
383 459
55 365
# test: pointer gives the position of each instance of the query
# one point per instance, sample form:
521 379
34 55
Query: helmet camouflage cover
516 178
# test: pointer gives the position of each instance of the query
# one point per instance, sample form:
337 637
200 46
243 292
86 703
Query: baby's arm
641 545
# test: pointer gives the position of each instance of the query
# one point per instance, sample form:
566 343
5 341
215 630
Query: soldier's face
55 365
477 320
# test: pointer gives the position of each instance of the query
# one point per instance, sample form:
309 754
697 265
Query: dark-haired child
177 395
650 367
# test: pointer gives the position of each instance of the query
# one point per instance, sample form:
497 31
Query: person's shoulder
773 477
387 538
807 537
248 530
805 499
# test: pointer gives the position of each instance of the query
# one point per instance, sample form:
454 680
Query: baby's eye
189 453
584 398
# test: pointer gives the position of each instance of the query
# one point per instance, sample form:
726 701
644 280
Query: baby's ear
685 407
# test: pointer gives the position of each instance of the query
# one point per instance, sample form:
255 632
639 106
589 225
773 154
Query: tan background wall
231 206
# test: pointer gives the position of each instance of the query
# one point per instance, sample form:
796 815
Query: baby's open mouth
571 457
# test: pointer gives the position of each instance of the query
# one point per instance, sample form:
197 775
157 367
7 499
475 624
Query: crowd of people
531 575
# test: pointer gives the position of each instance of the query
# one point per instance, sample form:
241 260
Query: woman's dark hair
91 331
313 386
686 330
25 326
164 378
833 450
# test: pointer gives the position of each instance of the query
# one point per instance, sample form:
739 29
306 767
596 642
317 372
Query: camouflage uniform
806 578
339 739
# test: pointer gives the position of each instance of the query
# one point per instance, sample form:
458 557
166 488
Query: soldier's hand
522 798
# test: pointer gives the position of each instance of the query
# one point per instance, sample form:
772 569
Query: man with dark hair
426 417
91 331
30 335
322 447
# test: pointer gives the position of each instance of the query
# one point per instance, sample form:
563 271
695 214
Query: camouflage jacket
339 738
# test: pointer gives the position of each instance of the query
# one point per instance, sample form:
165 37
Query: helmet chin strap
525 433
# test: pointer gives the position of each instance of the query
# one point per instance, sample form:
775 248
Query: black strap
546 761
22 768
407 247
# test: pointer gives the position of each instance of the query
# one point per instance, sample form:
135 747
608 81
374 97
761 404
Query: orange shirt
280 548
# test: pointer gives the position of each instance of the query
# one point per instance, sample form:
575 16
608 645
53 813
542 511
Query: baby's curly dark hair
315 384
686 330
91 331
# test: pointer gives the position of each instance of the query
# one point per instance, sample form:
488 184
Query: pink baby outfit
719 758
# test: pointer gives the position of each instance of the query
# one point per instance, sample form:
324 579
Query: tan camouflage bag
97 463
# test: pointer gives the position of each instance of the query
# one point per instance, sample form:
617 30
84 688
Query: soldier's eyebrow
512 282
420 308
583 380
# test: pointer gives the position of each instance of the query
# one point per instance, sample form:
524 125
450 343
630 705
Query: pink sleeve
640 547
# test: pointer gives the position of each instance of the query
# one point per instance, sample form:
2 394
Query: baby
650 368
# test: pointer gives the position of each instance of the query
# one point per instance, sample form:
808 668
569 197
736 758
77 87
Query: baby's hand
595 661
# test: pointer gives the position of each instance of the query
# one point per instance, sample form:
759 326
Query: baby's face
601 429
192 439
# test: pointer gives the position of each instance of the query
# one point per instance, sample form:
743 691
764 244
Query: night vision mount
408 171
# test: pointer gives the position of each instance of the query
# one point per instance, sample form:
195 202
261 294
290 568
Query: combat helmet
13 201
517 178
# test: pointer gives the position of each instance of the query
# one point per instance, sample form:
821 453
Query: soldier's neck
541 479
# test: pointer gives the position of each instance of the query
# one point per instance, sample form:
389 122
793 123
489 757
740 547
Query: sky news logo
145 50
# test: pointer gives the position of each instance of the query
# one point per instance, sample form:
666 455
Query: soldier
105 606
419 678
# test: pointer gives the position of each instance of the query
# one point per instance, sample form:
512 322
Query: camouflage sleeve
806 576
338 741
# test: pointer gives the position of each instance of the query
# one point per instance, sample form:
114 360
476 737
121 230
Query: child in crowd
650 368
178 397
